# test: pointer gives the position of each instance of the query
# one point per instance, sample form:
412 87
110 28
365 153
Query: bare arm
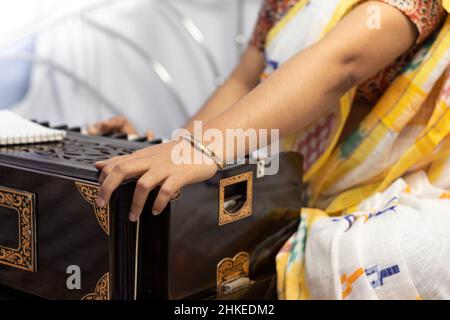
315 79
243 79
303 88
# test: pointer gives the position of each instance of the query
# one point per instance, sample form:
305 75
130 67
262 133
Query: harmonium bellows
216 239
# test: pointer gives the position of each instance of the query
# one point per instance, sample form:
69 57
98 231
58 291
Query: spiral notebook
15 130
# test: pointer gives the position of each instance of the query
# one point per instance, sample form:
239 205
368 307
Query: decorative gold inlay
101 290
231 269
246 210
22 257
90 193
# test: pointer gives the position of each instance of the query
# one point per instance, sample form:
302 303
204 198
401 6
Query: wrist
204 151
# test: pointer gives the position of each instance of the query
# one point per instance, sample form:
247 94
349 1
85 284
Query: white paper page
17 130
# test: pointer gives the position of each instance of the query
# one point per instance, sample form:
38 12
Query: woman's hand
118 124
156 167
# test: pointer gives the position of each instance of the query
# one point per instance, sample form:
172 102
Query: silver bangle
205 150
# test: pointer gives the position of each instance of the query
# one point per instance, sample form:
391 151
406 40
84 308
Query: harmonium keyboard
216 240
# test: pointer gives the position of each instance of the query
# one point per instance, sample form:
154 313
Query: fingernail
101 202
133 217
156 213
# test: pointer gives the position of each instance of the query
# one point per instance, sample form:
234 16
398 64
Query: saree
378 200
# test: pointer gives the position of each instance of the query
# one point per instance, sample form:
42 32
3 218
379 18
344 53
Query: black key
61 127
108 135
120 136
44 123
75 129
155 141
144 139
141 139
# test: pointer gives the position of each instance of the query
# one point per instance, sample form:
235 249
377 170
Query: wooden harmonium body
216 239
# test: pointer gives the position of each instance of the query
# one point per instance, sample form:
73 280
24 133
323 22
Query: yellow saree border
395 104
345 102
446 5
404 95
273 33
342 9
435 138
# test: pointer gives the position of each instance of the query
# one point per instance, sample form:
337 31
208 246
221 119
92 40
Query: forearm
243 79
313 81
227 95
301 90
288 100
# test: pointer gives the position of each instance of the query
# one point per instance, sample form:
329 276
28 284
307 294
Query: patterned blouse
427 16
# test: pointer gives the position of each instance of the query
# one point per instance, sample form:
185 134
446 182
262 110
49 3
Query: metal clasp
233 274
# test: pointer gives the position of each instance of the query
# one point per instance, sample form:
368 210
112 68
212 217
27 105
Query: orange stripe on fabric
445 195
348 282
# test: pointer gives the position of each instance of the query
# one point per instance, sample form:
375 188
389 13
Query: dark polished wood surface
188 243
74 156
178 251
67 233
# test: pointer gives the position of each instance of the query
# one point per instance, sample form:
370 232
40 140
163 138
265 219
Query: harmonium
216 240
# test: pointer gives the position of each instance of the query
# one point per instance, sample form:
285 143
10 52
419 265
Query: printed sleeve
266 20
427 15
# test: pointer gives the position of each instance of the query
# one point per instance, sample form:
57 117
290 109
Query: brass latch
233 274
235 198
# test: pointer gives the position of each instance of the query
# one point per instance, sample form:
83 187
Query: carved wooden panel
74 148
22 257
90 194
101 290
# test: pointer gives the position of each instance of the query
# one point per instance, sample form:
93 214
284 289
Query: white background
116 71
